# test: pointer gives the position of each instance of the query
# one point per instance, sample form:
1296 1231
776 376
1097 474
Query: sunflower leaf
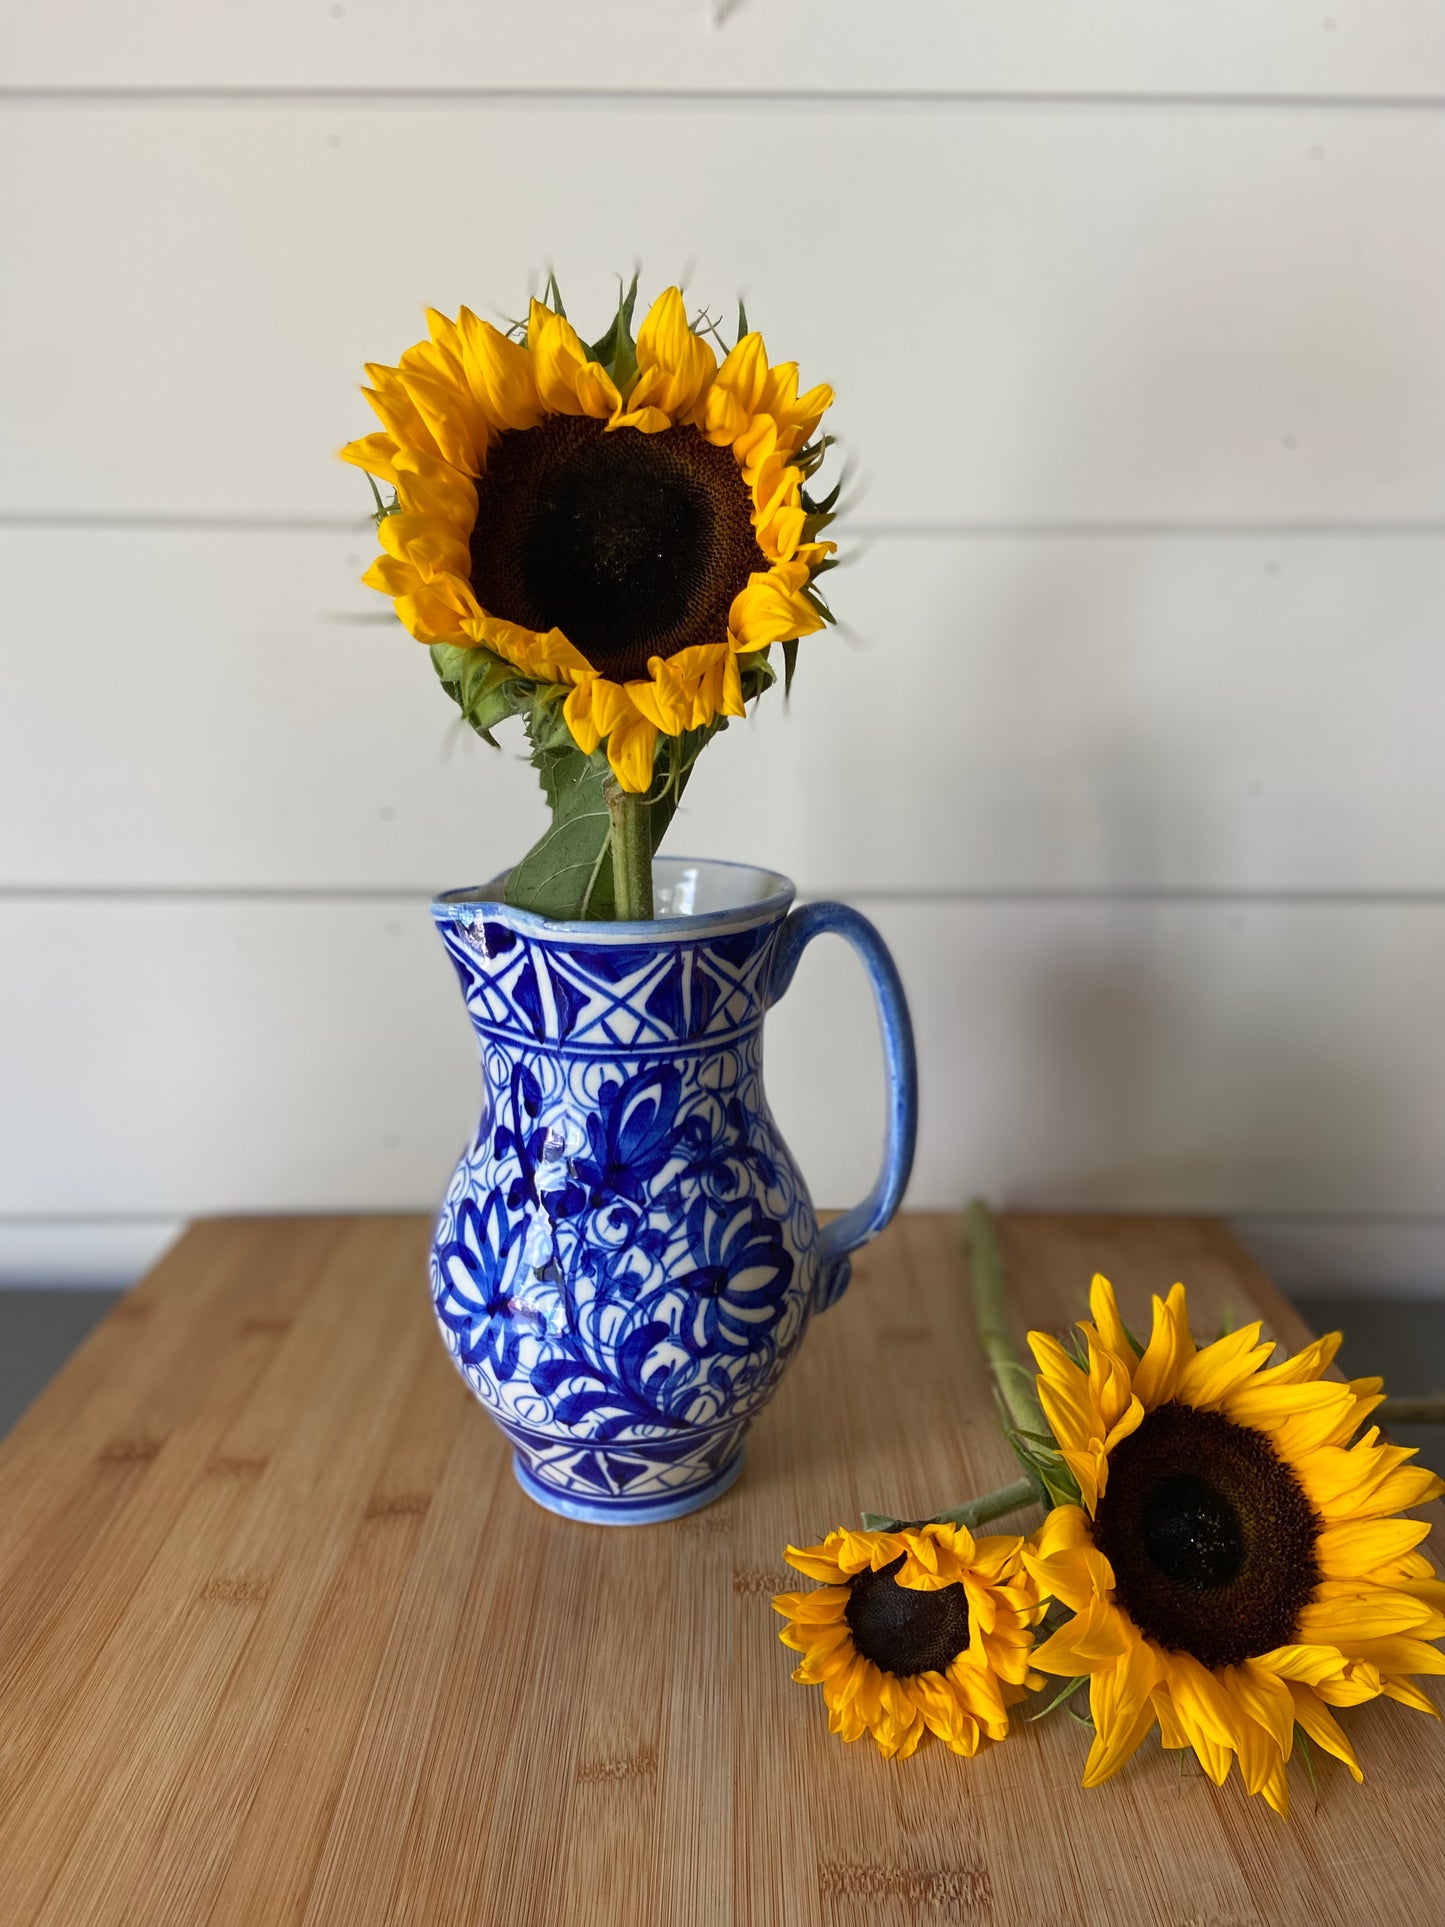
566 875
563 875
742 319
790 663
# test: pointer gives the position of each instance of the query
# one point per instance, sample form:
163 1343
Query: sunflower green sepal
1043 1463
485 689
617 349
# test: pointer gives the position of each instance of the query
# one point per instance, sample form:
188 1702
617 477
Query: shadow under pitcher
628 1257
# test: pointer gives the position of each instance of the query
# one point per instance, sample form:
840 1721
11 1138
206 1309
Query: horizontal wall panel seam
1121 529
764 99
1025 895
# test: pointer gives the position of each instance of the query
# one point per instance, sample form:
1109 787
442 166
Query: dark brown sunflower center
632 545
903 1631
1210 1535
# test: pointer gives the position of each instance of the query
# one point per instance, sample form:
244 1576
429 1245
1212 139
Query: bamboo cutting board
281 1641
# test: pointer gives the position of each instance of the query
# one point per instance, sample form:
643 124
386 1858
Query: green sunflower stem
974 1513
631 838
1014 1380
992 1505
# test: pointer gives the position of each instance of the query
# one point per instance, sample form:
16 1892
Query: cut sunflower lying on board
1223 1559
607 539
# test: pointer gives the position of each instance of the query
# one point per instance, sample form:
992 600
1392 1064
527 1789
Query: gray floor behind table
1402 1338
38 1332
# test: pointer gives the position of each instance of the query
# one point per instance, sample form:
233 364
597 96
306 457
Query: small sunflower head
917 1632
1233 1569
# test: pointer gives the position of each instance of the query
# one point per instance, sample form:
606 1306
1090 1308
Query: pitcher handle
867 1219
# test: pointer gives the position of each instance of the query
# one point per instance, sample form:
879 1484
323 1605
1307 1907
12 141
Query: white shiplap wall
1134 308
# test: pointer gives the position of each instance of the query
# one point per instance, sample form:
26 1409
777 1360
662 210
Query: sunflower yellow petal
397 412
1270 1408
568 381
1352 1551
818 1562
1066 1527
393 576
457 427
1104 1311
499 374
425 484
822 1603
1360 1681
992 1554
1365 1480
768 611
1172 1735
647 421
1123 1711
795 416
1345 1618
1322 1728
1092 1641
631 747
675 366
1168 1352
1221 1368
1201 1699
1264 1696
1305 1665
374 453
1064 1392
1365 1395
944 1715
1308 1363
1409 1695
1400 1653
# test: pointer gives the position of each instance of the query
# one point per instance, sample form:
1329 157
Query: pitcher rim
475 899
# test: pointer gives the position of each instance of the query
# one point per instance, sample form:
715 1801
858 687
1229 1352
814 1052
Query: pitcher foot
622 1511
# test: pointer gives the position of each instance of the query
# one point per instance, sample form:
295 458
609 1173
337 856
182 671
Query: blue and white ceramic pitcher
628 1257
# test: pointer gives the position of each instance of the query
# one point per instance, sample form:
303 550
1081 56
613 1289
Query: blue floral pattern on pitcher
627 1256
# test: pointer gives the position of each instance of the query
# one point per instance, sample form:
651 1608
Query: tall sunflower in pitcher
608 540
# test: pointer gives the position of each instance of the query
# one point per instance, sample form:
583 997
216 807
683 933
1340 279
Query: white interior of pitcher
682 886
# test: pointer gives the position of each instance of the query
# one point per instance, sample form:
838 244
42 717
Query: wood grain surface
281 1641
